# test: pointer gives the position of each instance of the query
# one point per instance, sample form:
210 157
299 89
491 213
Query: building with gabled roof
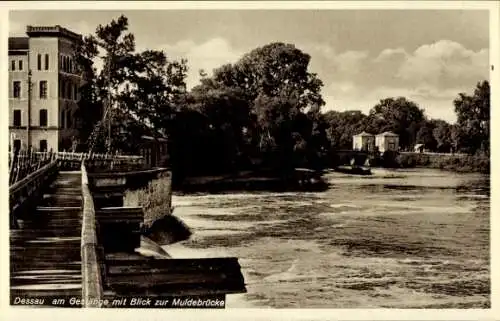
363 141
387 141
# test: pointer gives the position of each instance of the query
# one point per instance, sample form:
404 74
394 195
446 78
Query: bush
458 163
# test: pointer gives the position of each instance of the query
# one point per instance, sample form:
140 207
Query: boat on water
355 169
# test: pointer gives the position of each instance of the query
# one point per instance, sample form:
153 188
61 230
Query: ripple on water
401 239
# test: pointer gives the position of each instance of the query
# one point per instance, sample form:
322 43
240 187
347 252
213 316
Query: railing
95 162
25 162
92 289
22 192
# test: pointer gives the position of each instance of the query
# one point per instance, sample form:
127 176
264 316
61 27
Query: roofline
57 30
387 134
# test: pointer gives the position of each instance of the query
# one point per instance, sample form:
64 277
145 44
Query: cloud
437 103
444 63
432 76
207 55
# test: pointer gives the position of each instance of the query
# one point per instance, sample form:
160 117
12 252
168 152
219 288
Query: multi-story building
43 89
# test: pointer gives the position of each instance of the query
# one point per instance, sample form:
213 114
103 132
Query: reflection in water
402 239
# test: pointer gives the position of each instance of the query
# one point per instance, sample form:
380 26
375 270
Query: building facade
43 89
387 141
363 141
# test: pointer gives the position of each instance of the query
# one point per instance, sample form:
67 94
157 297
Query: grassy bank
457 163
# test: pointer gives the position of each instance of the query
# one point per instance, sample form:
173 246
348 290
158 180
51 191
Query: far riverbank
460 163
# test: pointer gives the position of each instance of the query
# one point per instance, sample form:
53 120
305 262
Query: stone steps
45 253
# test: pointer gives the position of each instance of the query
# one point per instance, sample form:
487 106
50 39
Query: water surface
396 239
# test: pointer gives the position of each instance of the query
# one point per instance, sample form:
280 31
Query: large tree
473 119
400 116
268 102
425 135
442 133
342 126
129 88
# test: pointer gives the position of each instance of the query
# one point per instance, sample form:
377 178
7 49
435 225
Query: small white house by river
386 141
363 141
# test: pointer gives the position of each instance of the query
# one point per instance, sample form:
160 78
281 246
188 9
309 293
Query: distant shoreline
450 162
249 182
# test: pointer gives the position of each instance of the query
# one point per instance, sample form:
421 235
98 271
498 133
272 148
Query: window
13 65
43 145
68 90
20 64
43 89
68 119
63 116
17 117
17 144
75 92
39 62
46 61
43 117
17 89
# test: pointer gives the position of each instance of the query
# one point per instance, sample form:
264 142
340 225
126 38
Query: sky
362 56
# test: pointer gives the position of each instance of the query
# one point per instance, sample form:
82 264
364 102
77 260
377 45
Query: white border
255 314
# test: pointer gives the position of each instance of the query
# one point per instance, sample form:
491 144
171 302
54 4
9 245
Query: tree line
262 112
470 134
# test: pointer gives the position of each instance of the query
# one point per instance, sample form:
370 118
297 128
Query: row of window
43 117
66 118
65 63
39 62
42 92
67 90
42 144
19 65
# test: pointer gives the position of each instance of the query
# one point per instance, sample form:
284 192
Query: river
397 239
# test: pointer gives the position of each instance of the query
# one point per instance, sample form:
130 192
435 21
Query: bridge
71 237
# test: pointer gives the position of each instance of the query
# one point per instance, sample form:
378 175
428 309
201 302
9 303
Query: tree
342 126
400 116
131 87
269 102
473 118
443 136
425 135
227 113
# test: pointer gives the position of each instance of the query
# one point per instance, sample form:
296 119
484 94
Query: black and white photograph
260 159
